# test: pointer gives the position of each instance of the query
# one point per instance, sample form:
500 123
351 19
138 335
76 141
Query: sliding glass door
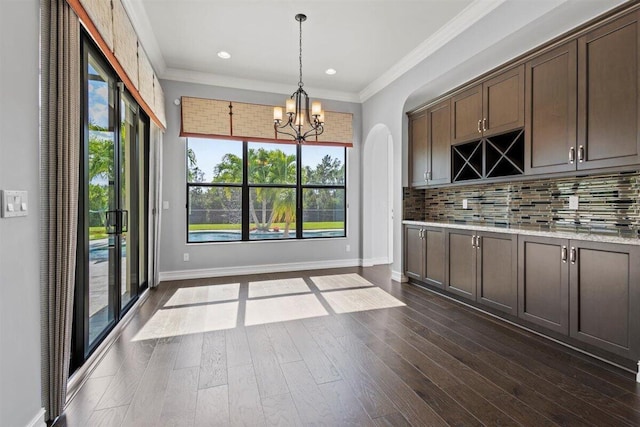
112 229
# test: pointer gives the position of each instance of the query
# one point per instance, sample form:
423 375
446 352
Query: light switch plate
574 202
14 203
465 204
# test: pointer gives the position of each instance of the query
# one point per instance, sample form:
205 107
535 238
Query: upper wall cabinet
490 108
430 145
550 109
608 95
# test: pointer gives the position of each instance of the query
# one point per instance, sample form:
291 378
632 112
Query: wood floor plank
80 409
271 381
321 368
107 417
365 388
392 420
245 407
412 407
146 405
190 351
213 366
212 407
342 401
312 408
281 411
180 398
284 347
238 352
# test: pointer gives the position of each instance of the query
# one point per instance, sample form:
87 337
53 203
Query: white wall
19 242
510 30
208 259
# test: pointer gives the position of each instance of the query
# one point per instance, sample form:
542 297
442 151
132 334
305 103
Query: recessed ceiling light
224 55
331 71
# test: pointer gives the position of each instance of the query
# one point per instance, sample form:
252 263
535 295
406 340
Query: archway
377 197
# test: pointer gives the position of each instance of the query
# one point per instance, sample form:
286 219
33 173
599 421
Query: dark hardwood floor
338 347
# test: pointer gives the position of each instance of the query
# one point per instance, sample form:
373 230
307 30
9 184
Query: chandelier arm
317 131
287 133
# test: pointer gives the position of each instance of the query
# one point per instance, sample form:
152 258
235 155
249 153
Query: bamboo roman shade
214 118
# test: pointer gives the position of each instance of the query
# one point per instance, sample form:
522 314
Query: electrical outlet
185 257
465 204
574 203
347 248
165 205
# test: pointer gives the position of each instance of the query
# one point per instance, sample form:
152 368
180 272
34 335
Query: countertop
588 235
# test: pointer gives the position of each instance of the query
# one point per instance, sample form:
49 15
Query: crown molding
199 77
456 26
140 21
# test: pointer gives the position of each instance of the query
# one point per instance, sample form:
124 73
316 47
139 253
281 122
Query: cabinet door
503 102
550 107
605 296
466 115
418 149
435 257
439 143
461 268
414 252
497 278
608 97
543 282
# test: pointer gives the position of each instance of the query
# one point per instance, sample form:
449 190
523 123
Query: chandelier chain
300 84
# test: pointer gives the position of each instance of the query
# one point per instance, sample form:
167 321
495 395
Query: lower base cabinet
482 267
589 291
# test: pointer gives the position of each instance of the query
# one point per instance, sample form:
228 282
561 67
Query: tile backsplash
607 204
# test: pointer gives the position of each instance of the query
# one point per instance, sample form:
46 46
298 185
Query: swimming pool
225 236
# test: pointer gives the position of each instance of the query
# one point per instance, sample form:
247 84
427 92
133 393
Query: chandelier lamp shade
300 122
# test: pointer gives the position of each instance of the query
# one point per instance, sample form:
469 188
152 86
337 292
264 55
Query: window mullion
245 191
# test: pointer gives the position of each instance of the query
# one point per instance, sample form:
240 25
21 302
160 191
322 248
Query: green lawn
97 233
330 225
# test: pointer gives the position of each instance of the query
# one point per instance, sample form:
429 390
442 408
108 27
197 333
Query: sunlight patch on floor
340 281
281 309
204 294
170 322
269 288
353 300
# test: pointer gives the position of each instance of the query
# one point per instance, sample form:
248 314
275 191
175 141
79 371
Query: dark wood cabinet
418 149
605 296
430 145
543 282
609 95
425 254
493 107
482 267
550 108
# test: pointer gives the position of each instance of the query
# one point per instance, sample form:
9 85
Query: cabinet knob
572 155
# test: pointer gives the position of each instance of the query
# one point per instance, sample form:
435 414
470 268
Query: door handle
111 222
573 255
563 255
124 221
572 155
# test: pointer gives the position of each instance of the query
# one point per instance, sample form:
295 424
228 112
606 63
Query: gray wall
207 256
479 49
19 237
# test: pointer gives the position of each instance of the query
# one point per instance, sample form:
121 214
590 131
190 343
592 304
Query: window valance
212 118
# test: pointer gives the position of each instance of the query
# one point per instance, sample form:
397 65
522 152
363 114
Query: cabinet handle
484 124
573 255
580 154
429 176
425 175
572 155
473 242
479 130
564 254
478 238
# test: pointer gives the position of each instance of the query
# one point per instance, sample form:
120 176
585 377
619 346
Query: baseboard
37 420
370 262
257 269
398 277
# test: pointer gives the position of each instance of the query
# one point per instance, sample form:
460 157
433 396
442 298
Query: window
259 191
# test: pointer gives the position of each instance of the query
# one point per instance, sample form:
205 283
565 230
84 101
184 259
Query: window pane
272 213
323 165
323 212
215 214
214 160
272 163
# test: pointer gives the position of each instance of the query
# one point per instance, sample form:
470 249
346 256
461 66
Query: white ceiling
369 42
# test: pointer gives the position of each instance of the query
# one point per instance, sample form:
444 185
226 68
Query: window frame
246 187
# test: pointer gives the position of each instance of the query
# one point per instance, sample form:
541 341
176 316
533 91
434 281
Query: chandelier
300 122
